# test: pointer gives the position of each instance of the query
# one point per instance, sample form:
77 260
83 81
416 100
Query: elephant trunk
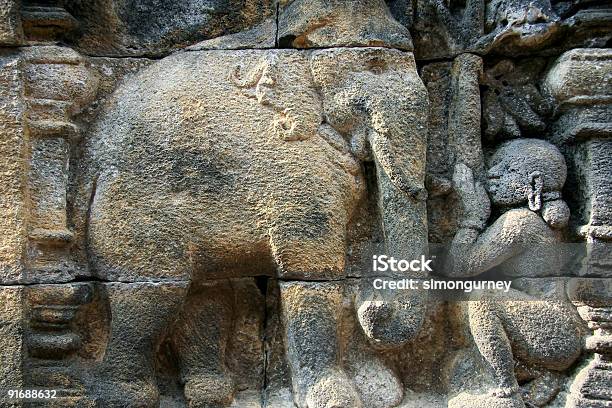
392 323
398 134
375 96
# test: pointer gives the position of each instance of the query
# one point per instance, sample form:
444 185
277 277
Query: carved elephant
217 164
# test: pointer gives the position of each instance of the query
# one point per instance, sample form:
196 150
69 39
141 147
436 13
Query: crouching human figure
540 335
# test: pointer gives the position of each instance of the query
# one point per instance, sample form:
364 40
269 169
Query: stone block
11 32
12 344
13 165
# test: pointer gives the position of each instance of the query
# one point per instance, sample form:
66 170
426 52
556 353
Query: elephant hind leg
140 315
200 339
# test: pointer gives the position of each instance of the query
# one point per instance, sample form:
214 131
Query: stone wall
192 194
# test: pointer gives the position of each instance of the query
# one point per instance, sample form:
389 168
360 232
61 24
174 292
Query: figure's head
522 170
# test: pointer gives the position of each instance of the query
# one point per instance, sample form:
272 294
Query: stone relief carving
192 195
513 104
525 176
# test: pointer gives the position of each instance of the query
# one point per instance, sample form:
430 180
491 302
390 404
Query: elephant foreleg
311 314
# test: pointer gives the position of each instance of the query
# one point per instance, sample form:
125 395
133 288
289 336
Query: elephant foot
133 394
377 384
333 390
465 400
209 391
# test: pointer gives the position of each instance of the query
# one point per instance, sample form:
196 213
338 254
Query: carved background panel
195 195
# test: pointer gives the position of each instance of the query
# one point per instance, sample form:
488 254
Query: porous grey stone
289 132
319 23
154 28
192 192
13 145
513 105
11 32
12 343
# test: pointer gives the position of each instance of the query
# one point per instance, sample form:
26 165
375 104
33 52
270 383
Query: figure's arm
473 252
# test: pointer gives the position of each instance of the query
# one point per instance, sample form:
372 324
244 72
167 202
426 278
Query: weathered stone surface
377 385
513 106
198 229
286 127
52 312
264 81
278 390
464 114
389 319
581 74
260 36
592 383
592 292
58 73
43 21
13 148
454 136
11 32
445 30
119 380
522 171
320 23
523 175
482 401
580 82
515 27
313 331
49 178
12 342
507 27
282 127
394 141
152 27
585 26
57 85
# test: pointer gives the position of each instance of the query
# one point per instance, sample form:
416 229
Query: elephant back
221 146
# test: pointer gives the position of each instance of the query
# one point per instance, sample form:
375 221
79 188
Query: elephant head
374 97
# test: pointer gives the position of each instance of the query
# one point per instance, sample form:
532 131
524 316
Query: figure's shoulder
521 215
522 222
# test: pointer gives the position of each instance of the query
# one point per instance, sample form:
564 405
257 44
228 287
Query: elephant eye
376 66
